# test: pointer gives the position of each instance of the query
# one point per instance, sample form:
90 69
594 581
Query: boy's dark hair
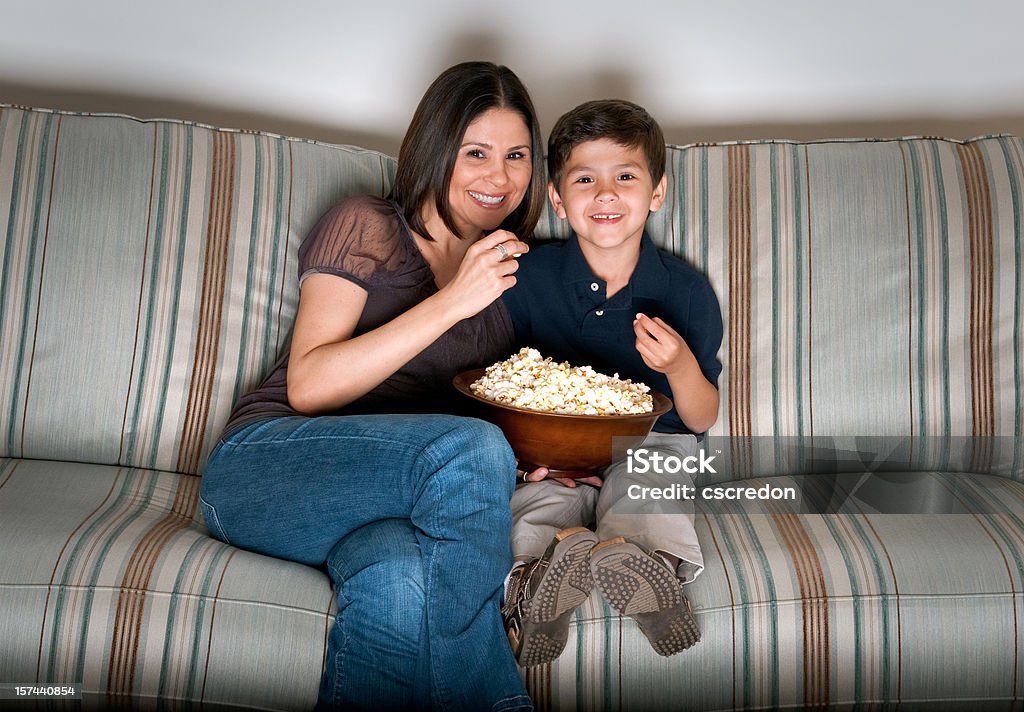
624 122
431 145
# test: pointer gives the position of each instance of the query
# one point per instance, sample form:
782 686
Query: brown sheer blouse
367 241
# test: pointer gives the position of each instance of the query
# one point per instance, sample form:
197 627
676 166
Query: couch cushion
867 287
107 579
803 611
148 277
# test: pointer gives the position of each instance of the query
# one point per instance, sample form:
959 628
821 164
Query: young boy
609 298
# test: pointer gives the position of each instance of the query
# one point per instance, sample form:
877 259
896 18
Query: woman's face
492 172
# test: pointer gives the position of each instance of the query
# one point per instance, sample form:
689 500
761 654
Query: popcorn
528 380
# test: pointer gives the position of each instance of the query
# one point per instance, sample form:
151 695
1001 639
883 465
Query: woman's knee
474 454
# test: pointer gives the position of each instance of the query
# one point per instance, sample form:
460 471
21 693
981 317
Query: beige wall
349 72
150 107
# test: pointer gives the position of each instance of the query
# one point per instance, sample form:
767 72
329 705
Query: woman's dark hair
427 157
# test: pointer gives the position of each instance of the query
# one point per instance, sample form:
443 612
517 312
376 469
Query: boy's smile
606 193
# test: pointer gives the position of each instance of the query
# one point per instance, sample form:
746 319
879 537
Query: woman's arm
328 368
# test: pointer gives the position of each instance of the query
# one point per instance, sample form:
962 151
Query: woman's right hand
487 270
329 368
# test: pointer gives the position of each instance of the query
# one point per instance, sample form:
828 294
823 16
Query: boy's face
606 193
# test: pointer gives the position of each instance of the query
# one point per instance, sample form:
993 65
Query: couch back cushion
867 287
149 272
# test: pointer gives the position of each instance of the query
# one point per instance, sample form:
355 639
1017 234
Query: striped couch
872 292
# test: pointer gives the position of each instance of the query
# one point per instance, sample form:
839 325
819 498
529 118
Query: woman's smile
487 200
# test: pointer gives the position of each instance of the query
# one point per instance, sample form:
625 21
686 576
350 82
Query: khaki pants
542 509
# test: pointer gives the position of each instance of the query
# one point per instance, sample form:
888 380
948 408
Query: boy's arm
664 350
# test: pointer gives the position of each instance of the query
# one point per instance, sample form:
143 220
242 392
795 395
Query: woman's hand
487 270
542 473
330 368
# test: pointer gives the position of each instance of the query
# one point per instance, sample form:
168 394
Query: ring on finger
501 250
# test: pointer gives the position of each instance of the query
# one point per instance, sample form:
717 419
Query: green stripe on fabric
1014 166
6 276
5 268
271 239
279 243
705 240
44 168
146 362
775 236
862 644
800 236
204 593
250 272
175 285
773 203
946 427
169 163
606 672
208 592
154 238
915 215
744 524
675 198
86 543
172 615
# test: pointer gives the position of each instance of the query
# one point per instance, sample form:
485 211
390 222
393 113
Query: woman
334 460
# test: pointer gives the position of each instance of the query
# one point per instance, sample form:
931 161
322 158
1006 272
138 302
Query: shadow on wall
156 107
546 97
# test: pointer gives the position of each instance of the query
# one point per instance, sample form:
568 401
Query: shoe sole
645 589
565 585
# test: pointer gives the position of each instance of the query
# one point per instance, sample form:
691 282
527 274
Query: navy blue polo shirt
561 309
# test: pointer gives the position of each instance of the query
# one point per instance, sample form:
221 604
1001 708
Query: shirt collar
650 279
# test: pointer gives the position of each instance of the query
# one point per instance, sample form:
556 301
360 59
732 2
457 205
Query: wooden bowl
570 445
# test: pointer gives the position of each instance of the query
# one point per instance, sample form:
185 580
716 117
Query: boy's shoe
642 586
542 595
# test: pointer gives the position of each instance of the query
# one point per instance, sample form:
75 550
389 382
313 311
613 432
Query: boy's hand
541 473
660 346
695 398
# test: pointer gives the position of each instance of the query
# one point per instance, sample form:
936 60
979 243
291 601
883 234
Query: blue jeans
410 516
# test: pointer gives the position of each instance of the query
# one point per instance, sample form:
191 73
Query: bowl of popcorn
560 416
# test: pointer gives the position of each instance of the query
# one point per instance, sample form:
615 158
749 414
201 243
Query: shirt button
594 287
600 312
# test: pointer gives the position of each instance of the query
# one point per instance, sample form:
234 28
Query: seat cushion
811 609
108 578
